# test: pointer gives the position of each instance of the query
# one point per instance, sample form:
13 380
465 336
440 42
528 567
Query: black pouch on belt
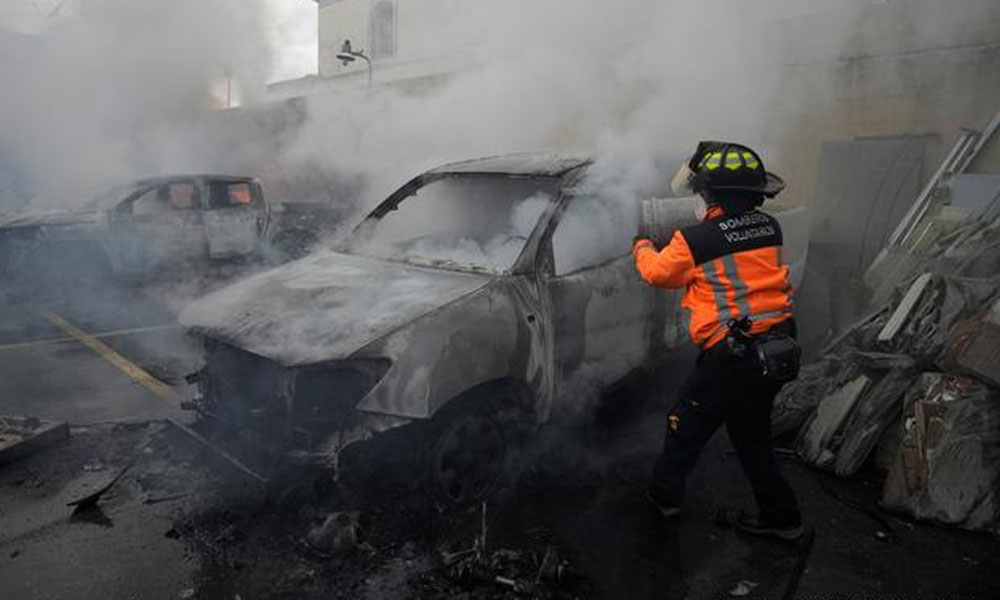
779 356
739 342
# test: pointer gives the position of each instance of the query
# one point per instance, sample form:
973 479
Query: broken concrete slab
829 416
798 399
879 407
904 309
21 436
919 322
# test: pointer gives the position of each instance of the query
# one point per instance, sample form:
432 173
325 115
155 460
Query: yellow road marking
134 371
105 334
154 385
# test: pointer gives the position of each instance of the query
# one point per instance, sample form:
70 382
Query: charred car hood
49 218
324 307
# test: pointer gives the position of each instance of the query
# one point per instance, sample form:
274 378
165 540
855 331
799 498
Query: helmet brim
773 185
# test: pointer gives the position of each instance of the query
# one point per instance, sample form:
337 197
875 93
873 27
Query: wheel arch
483 397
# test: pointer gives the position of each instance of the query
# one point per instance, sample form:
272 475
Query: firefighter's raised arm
672 267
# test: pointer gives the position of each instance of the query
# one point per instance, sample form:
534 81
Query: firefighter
738 306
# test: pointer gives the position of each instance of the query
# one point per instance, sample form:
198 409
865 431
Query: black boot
754 525
665 508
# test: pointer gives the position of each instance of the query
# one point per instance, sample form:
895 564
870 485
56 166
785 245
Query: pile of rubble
915 386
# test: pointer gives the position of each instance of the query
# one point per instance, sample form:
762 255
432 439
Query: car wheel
476 442
468 459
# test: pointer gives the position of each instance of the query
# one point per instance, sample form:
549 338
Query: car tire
475 445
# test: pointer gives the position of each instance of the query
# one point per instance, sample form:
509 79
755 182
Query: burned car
479 300
144 224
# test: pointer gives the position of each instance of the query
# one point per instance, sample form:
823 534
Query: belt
721 349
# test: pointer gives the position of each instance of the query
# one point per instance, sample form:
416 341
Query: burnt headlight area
324 397
241 389
292 408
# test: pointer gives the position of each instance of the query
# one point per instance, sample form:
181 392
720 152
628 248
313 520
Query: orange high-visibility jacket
731 266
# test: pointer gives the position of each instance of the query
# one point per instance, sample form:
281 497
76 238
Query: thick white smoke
120 90
115 91
633 82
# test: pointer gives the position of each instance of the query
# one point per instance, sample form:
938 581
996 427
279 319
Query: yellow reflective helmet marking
712 161
733 160
751 160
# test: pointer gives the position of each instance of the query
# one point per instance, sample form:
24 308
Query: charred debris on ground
912 390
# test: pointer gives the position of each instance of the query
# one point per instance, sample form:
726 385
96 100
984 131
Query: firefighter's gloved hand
641 238
658 241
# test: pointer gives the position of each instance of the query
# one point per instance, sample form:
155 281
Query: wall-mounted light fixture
347 55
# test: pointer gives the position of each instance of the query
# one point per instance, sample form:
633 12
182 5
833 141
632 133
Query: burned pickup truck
141 225
477 301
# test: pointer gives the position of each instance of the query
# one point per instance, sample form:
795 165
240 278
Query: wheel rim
469 459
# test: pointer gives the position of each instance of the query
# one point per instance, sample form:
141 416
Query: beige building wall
908 67
424 45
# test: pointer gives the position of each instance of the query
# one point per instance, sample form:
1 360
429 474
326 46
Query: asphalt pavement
83 355
58 354
79 356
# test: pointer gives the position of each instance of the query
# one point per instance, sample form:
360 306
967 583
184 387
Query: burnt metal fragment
90 500
21 436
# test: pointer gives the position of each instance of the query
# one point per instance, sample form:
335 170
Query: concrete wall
907 67
425 46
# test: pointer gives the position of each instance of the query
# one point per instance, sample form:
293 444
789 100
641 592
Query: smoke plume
121 90
115 91
635 83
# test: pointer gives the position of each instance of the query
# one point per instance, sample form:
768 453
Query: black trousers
726 388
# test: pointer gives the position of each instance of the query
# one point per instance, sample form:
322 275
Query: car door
158 225
235 218
606 321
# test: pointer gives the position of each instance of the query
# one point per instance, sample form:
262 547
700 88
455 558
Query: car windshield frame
110 197
353 242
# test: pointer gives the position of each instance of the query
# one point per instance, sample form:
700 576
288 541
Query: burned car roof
188 177
113 195
522 164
